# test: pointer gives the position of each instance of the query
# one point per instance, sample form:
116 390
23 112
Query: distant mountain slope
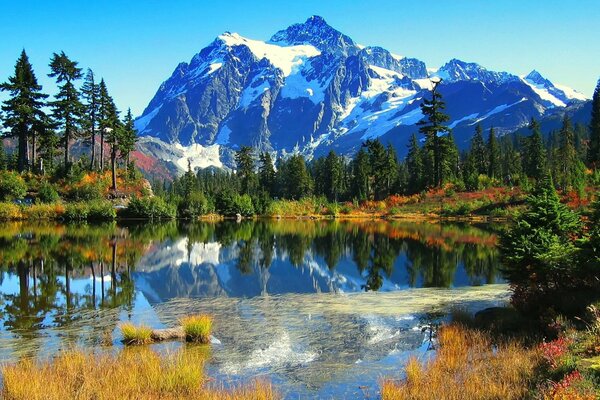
311 88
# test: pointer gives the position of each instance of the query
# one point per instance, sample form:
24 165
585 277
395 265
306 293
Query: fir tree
244 159
433 128
24 107
361 172
493 156
266 173
594 150
104 101
478 151
90 92
66 108
414 165
535 157
113 132
128 138
3 158
333 176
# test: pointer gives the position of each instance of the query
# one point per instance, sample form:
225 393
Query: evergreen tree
414 165
451 158
378 159
478 151
266 173
113 130
24 107
66 108
293 178
361 172
128 139
571 171
90 92
333 176
594 150
244 159
433 128
535 157
104 101
3 158
493 156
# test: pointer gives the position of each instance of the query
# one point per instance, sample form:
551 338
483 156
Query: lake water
319 308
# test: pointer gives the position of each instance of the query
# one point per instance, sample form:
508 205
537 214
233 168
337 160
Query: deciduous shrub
47 193
150 208
12 186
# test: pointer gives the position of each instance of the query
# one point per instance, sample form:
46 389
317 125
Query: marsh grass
134 373
197 328
468 365
136 335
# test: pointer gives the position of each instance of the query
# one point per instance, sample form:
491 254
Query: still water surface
319 308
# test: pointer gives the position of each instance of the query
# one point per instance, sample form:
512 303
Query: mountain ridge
311 88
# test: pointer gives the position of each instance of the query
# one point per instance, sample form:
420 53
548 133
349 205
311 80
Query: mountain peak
537 78
317 32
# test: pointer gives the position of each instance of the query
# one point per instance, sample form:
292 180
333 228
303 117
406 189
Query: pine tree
333 176
104 101
128 139
571 171
493 156
379 168
266 173
67 109
361 172
451 158
24 107
478 151
244 159
594 150
90 92
414 165
3 158
113 132
433 128
535 157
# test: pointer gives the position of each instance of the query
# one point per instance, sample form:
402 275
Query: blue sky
135 45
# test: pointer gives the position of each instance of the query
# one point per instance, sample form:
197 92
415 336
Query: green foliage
539 250
12 186
150 208
47 193
594 149
101 210
193 206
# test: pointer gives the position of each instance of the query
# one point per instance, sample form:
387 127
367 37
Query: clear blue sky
135 45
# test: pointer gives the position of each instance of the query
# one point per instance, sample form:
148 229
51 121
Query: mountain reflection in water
68 285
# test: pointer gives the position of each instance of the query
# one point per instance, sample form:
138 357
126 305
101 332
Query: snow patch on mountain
142 122
198 156
283 57
542 91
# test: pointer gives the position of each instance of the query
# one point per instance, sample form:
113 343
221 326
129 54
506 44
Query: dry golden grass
136 335
467 366
132 374
197 328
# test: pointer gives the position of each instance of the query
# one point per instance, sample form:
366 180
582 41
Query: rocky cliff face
311 88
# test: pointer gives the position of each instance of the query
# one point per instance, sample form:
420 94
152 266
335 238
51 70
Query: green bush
101 210
47 193
37 212
243 205
76 212
9 211
193 206
12 186
86 192
150 208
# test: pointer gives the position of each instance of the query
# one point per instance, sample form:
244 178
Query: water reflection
265 282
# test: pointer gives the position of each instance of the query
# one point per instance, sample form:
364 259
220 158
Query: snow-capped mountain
310 88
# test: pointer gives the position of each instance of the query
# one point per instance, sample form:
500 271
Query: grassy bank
476 363
138 373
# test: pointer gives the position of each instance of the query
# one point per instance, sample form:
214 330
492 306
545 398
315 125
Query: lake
319 308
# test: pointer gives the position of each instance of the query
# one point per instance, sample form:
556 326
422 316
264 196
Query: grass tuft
136 335
197 328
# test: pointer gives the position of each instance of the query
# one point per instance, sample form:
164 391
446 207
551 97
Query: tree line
45 128
432 161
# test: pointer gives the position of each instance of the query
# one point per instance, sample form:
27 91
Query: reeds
197 328
468 366
138 373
